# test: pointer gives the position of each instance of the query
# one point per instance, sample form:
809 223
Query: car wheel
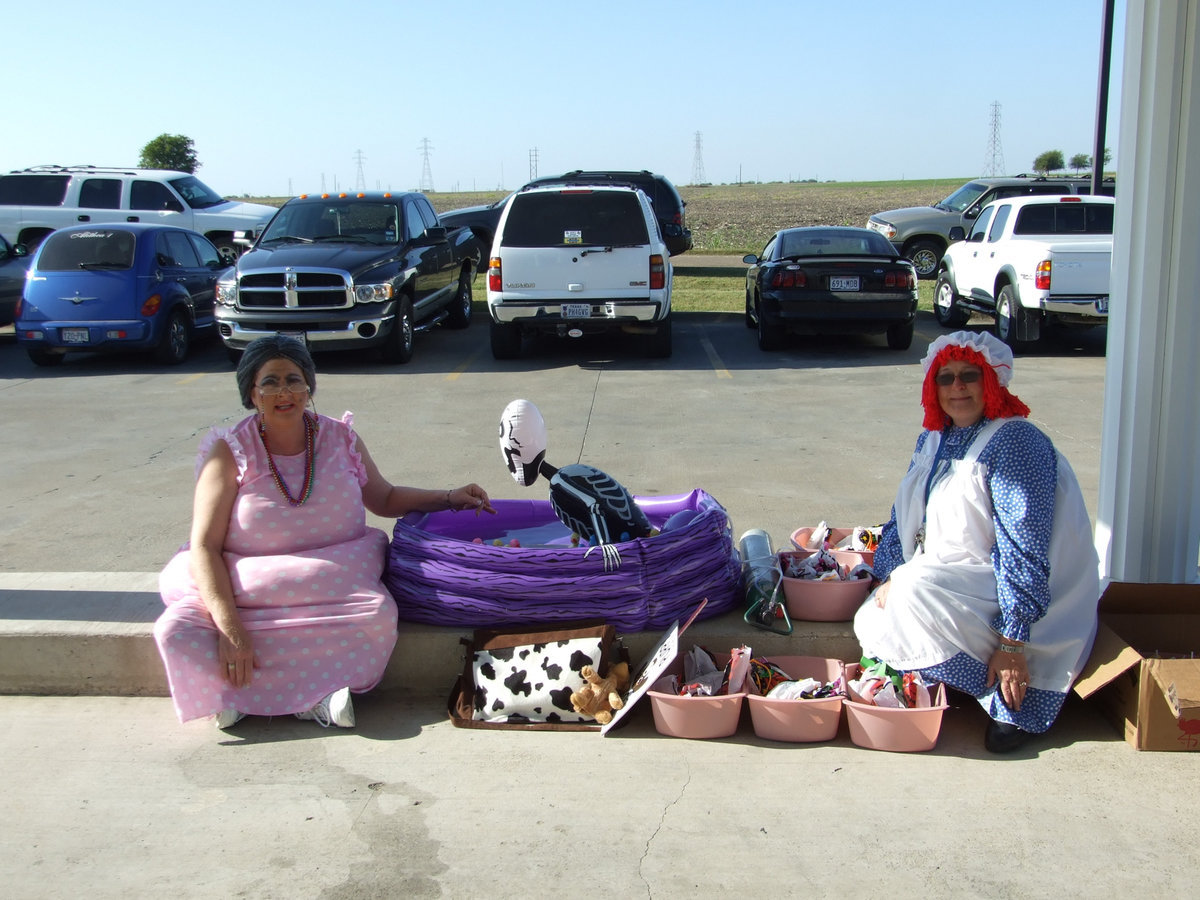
228 250
658 345
42 357
176 339
770 336
399 345
900 335
1008 313
946 308
460 309
506 340
925 256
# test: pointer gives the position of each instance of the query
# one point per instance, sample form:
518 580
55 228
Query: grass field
736 219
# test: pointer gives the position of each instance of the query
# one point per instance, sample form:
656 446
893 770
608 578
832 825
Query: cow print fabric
533 682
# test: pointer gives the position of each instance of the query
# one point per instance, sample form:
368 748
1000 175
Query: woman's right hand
881 593
236 653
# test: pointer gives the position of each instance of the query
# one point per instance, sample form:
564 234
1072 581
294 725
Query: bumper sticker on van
572 237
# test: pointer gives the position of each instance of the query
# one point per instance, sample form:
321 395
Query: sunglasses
945 379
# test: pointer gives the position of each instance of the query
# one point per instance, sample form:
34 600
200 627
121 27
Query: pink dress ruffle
306 579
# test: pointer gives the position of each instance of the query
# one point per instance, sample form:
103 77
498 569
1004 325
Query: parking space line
195 376
717 363
466 364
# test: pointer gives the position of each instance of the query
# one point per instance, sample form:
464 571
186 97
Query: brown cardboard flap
1156 599
1179 680
1111 656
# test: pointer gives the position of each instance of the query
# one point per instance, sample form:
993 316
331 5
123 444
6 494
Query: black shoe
1002 737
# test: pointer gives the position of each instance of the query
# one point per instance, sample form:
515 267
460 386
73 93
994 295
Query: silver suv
575 260
39 200
922 233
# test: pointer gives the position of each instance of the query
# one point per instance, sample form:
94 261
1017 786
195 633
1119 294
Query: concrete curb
71 633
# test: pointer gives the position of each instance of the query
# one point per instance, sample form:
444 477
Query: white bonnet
990 347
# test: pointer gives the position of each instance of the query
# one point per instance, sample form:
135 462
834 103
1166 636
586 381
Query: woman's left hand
470 496
1013 674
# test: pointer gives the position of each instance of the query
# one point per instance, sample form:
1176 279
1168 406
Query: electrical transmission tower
426 173
533 161
360 182
698 161
994 164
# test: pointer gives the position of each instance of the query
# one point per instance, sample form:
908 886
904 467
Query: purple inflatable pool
440 574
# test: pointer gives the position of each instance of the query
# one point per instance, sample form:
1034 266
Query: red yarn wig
998 402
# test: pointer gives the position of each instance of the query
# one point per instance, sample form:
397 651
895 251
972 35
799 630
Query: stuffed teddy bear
600 696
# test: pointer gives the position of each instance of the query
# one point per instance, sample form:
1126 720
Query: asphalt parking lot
98 453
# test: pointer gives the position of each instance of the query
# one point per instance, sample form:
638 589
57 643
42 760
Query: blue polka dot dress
973 554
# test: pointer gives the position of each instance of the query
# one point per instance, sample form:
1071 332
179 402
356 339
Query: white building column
1148 515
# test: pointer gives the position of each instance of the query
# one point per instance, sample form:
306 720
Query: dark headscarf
261 351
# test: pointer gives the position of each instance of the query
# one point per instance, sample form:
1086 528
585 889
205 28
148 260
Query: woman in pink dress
276 605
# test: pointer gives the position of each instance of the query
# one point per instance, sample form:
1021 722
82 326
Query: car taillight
152 304
658 272
494 280
901 279
789 278
1041 278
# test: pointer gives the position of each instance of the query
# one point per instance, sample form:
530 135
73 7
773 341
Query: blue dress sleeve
1022 476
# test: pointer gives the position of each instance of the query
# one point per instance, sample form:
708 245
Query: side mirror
435 234
750 259
971 212
956 233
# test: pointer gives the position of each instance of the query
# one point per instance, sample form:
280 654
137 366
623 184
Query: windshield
196 193
963 197
346 221
575 217
833 242
100 248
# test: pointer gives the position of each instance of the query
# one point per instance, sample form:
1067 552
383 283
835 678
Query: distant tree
1050 161
1080 161
170 151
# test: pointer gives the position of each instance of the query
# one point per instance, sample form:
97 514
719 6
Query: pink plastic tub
799 721
696 717
824 601
898 730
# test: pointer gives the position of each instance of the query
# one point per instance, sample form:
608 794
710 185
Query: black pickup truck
350 270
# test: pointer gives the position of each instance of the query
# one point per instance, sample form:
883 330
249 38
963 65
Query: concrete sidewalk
111 797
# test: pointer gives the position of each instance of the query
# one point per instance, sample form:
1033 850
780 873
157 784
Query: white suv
575 260
39 200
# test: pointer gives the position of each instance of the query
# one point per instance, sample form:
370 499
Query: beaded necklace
310 457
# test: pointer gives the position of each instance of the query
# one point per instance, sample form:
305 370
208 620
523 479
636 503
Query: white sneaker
227 718
336 709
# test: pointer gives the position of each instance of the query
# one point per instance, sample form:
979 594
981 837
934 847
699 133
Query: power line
426 184
698 161
360 182
994 165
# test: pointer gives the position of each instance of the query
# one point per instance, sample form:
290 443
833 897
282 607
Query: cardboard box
1143 672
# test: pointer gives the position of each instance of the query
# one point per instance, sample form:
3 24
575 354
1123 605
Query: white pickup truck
1029 262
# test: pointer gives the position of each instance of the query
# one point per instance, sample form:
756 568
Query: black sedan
830 280
13 266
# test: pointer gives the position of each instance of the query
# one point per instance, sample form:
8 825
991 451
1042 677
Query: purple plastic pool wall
439 574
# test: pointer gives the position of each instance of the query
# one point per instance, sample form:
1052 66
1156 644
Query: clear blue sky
281 97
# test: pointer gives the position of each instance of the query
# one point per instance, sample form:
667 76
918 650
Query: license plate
576 310
75 336
843 284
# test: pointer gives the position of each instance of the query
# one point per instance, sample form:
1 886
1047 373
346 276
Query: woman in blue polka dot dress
990 579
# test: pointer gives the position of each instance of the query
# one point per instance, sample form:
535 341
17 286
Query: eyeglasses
945 379
296 387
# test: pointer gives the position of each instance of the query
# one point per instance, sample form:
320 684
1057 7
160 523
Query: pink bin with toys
696 717
895 729
823 601
837 539
799 721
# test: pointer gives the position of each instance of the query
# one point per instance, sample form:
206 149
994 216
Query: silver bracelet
1011 648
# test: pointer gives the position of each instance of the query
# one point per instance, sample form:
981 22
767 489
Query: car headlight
887 229
227 292
372 293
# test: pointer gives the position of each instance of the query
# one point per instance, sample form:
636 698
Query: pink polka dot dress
306 581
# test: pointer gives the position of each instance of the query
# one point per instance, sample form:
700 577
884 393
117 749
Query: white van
572 260
41 199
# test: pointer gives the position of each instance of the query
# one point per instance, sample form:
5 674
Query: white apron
942 599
